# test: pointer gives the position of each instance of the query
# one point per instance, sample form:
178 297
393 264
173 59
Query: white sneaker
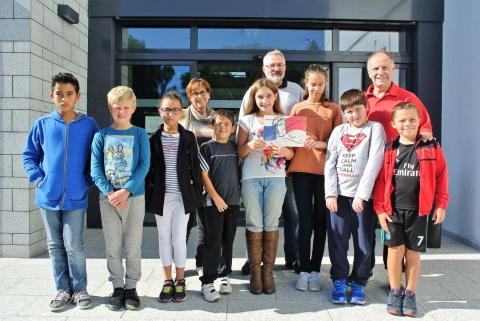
199 270
225 287
209 292
302 281
314 282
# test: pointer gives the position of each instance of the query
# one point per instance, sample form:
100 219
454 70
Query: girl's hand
383 218
332 204
257 144
311 143
281 151
220 204
357 205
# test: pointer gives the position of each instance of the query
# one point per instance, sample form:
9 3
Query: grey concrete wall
34 44
461 115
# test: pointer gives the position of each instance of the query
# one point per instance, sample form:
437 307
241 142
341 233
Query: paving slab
448 289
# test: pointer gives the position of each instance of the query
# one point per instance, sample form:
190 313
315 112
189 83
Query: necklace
313 103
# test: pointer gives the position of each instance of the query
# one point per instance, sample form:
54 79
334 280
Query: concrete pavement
449 289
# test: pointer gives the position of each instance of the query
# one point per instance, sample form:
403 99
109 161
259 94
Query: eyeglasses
173 111
198 93
272 66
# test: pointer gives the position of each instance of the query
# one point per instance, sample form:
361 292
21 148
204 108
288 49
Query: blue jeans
64 231
263 199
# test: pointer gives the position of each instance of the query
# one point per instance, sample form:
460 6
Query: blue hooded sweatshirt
56 159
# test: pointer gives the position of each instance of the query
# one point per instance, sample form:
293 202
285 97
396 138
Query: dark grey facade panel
101 46
366 10
428 57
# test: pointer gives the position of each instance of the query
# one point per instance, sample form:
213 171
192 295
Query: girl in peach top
306 169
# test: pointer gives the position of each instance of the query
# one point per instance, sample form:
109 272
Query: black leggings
309 192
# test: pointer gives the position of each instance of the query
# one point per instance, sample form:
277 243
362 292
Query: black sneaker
132 301
246 268
294 266
116 301
166 294
180 292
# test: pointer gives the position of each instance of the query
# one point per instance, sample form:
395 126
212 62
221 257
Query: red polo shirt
380 109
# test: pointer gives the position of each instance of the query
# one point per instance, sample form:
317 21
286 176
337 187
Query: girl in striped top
173 192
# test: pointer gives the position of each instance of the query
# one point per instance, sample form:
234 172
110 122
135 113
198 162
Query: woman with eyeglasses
197 118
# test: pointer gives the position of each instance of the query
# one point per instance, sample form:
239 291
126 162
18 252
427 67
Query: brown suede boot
254 247
270 242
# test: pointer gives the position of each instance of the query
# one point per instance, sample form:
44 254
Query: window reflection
264 39
350 40
349 78
156 38
150 82
229 81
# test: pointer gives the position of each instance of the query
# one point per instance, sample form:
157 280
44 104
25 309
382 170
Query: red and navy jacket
433 178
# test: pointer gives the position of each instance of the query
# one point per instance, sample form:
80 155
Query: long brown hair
315 69
251 105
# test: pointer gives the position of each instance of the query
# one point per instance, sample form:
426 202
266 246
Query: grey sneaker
82 299
302 281
60 301
314 282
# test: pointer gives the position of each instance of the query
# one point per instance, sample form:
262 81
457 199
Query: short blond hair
120 93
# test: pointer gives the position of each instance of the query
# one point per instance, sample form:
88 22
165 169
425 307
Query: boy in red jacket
414 176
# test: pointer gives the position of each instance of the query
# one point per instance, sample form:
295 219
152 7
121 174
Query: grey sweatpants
123 230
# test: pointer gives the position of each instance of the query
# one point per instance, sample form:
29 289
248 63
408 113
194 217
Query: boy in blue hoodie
56 160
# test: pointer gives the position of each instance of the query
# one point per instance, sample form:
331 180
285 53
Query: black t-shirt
221 162
406 178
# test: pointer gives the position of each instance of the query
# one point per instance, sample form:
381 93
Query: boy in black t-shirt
414 176
219 163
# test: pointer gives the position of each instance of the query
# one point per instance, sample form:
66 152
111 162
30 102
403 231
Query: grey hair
274 52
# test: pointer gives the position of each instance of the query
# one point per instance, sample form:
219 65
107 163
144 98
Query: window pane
369 41
349 78
264 39
229 81
150 82
155 38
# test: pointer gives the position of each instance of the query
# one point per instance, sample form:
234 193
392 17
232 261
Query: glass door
150 81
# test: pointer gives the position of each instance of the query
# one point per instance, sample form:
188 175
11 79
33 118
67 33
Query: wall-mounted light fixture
67 13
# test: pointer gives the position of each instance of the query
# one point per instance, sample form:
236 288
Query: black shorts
409 229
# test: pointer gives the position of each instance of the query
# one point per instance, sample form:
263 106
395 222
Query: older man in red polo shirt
383 94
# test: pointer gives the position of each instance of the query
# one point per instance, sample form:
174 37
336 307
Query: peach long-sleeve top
321 119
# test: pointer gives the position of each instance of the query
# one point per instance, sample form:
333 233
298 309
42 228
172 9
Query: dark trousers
360 226
312 218
196 219
201 235
220 231
290 224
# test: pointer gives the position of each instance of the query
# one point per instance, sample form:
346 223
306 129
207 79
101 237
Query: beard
276 78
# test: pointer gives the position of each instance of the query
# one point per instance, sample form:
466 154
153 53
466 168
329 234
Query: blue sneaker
409 304
358 293
338 292
394 304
